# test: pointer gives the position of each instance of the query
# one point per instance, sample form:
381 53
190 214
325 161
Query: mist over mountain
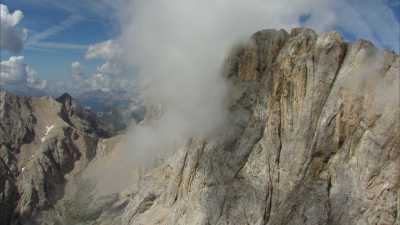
212 112
311 138
118 108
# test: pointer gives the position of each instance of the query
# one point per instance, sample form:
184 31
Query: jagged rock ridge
313 139
42 141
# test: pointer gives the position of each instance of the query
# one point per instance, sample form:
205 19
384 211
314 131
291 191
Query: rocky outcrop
313 139
42 142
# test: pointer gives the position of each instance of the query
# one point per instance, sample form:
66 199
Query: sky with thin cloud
80 43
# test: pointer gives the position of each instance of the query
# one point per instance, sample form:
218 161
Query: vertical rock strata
42 142
314 140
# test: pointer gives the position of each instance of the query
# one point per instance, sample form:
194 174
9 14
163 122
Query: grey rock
313 139
42 142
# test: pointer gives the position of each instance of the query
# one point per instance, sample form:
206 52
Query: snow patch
48 129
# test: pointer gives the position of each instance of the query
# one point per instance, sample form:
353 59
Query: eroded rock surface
42 142
314 140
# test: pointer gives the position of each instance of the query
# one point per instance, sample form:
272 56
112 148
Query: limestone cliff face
42 141
314 140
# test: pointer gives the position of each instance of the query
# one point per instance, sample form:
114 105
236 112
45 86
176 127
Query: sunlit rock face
312 138
43 141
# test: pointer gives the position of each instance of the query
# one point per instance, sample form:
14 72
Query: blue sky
87 27
65 28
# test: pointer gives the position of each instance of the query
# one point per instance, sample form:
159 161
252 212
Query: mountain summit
42 142
313 139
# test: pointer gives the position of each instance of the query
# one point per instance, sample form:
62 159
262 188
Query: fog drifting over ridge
178 48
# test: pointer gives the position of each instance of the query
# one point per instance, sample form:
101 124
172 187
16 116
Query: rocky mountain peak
40 143
65 98
312 140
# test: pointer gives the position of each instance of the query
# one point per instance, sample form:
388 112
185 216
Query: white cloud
111 52
111 75
110 68
99 82
107 77
108 50
106 82
76 68
178 48
11 38
180 51
33 80
15 71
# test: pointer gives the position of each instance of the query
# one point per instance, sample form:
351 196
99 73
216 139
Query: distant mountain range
42 139
312 139
116 107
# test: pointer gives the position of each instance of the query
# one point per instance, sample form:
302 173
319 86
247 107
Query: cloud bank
109 76
33 81
108 50
11 38
177 48
14 71
76 69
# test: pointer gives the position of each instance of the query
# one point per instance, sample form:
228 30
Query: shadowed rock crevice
306 133
311 139
39 152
